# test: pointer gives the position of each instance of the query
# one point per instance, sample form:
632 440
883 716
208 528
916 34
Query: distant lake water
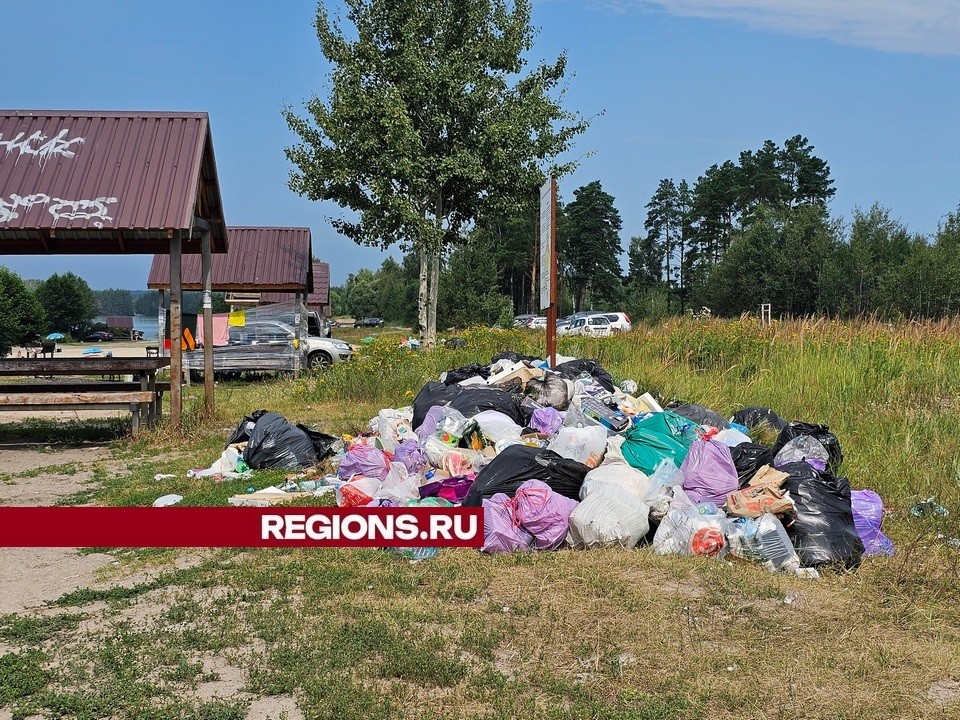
146 324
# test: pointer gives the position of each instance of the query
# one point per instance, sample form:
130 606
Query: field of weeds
601 634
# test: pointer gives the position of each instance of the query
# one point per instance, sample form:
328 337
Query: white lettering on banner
39 146
60 209
352 528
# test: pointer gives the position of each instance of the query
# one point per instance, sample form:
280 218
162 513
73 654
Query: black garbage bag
700 415
748 458
452 377
512 357
759 416
273 442
551 389
472 400
821 527
820 432
468 400
572 369
322 443
519 463
433 393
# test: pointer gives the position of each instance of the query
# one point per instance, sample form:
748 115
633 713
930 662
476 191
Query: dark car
369 322
98 336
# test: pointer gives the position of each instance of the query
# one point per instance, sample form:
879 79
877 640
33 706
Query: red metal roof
259 258
320 297
106 182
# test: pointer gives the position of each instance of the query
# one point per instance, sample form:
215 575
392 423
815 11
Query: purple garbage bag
411 455
364 460
453 489
546 420
500 533
867 518
543 513
709 474
429 425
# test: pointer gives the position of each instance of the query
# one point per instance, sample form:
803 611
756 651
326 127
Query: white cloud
930 27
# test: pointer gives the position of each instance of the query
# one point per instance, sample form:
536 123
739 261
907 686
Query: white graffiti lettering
8 210
81 209
40 146
58 207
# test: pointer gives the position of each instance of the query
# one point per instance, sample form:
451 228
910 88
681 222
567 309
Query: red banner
240 527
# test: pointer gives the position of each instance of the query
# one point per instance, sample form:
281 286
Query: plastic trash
585 445
759 417
273 442
364 460
708 472
630 479
399 485
731 437
497 426
167 500
411 455
658 436
500 533
551 390
820 432
803 448
543 513
546 420
701 415
453 489
930 506
451 426
867 518
357 492
748 458
519 463
393 427
608 516
572 369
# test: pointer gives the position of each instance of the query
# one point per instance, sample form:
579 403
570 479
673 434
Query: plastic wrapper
630 479
393 427
451 426
867 517
759 417
519 463
543 513
453 489
430 395
803 448
613 455
763 540
551 390
708 472
823 531
546 420
572 369
496 426
357 492
500 533
608 516
731 437
658 436
585 445
364 460
411 455
399 485
820 432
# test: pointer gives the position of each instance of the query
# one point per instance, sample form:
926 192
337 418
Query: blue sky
681 84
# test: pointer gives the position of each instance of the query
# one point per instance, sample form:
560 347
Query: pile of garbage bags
563 457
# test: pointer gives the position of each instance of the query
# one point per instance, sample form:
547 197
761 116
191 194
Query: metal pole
207 271
176 326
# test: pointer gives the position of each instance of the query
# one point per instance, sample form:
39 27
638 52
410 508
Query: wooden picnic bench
142 397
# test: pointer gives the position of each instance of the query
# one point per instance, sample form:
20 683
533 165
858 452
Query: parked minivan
593 325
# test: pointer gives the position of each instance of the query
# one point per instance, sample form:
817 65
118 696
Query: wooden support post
207 271
176 326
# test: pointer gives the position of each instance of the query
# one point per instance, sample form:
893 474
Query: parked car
369 322
592 325
268 345
522 320
619 321
98 336
538 322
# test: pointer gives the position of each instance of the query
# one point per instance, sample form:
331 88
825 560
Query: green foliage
589 246
21 315
147 302
21 675
467 295
67 301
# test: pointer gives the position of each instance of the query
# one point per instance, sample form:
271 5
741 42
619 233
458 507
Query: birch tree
430 119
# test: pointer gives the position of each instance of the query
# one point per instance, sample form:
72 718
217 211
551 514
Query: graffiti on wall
41 146
59 208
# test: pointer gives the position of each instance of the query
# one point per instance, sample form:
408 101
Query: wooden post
176 326
207 271
298 334
161 321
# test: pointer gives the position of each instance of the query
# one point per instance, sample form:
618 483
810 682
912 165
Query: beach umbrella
55 336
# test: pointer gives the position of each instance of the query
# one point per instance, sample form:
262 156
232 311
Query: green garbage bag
656 437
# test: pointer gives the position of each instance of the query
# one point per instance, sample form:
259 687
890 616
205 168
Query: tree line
746 232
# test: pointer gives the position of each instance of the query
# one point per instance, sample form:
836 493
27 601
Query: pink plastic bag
543 513
364 460
708 472
500 534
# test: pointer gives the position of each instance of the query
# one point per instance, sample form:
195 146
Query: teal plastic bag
656 437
